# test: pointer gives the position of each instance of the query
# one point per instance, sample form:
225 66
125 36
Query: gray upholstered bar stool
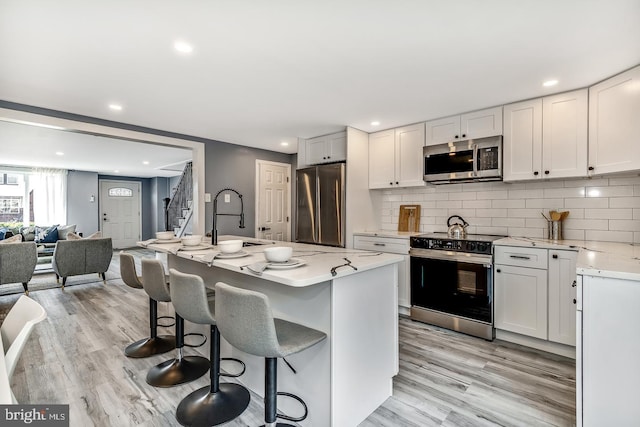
155 344
182 369
219 402
245 320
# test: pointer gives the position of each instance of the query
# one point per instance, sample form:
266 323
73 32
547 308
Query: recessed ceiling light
550 83
59 153
116 171
284 143
375 123
115 107
145 162
183 47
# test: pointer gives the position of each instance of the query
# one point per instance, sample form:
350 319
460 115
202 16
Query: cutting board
409 218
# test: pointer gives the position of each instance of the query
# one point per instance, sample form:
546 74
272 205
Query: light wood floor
446 379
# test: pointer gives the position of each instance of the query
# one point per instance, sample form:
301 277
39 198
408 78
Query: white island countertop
603 259
319 260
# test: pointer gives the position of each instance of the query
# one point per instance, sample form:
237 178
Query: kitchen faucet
214 232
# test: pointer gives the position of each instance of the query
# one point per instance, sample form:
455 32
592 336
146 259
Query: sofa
17 262
84 256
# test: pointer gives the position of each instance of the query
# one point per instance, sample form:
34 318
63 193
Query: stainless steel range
452 282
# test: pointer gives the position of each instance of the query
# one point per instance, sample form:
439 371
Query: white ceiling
263 72
35 146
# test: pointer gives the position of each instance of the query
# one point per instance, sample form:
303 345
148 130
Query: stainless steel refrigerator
320 210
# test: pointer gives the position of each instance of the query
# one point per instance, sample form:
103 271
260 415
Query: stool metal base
177 371
203 408
151 346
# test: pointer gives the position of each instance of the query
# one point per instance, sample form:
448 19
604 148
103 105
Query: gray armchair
85 256
17 262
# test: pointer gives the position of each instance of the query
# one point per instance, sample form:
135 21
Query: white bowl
194 240
230 246
165 235
278 253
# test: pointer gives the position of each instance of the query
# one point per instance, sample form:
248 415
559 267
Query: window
120 192
10 204
8 179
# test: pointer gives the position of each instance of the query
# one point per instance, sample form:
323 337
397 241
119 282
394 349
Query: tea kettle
457 230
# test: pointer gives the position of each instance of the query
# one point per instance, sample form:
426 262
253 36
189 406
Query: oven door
452 283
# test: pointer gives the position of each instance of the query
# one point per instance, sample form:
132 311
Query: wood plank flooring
446 379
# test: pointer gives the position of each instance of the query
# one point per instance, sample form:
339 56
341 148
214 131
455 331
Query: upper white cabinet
326 149
614 124
395 157
546 137
477 124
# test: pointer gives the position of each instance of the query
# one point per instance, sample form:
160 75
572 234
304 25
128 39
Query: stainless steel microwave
477 159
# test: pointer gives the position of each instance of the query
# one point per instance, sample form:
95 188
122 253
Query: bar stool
217 403
182 369
155 344
245 320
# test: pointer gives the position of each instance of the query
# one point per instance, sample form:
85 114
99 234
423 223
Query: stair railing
180 200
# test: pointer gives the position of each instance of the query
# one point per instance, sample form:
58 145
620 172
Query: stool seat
155 344
245 320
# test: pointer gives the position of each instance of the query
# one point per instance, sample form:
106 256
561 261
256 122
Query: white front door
273 199
120 212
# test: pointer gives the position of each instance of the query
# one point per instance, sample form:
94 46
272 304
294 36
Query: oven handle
452 256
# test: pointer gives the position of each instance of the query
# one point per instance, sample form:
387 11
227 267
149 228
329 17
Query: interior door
273 213
120 212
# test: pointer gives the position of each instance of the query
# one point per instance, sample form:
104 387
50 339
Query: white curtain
49 196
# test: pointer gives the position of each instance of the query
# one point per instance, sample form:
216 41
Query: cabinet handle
554 256
456 136
519 257
397 183
591 168
391 183
546 172
497 270
574 284
379 244
574 301
536 173
464 135
328 157
324 158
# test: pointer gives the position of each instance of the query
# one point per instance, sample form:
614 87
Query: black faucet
214 232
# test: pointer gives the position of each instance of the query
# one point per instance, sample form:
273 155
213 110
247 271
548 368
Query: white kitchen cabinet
521 300
326 149
562 296
535 292
476 124
614 108
395 157
546 137
392 245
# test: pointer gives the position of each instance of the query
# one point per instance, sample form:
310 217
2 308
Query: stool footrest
204 340
304 405
167 317
244 367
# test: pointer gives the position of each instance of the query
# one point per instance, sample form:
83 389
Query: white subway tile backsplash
473 204
553 193
608 213
600 209
511 203
617 191
609 236
624 225
587 202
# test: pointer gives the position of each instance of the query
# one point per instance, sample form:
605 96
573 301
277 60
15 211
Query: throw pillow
3 231
50 235
73 236
14 239
96 235
64 230
28 233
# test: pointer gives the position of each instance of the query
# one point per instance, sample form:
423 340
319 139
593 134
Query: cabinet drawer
521 257
381 244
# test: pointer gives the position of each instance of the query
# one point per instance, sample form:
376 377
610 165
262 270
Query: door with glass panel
120 212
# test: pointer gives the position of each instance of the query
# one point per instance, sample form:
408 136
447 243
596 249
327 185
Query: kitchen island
344 378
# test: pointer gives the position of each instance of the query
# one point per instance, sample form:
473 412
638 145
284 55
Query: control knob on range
483 246
471 246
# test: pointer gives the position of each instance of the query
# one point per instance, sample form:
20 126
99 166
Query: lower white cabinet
535 291
393 245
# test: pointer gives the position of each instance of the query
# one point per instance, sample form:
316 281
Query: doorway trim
197 148
257 200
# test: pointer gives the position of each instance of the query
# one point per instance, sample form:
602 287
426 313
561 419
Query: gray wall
80 209
159 190
234 166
